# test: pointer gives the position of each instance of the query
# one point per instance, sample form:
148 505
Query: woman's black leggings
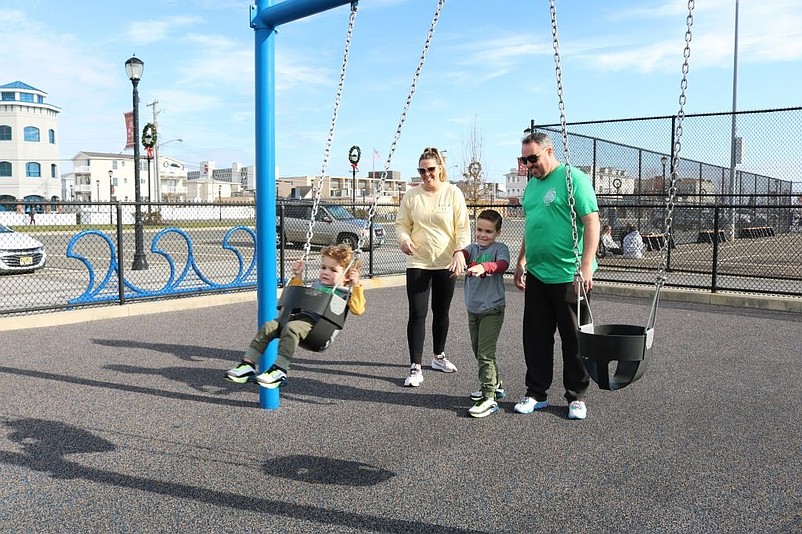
419 282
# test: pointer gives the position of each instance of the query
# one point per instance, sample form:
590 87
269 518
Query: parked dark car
334 224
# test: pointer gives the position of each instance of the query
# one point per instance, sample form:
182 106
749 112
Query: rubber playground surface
125 425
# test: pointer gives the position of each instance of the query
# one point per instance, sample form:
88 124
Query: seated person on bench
608 244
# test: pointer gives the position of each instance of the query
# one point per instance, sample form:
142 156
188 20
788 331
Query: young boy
487 262
333 261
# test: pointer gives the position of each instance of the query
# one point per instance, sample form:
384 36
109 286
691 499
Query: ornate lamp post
133 68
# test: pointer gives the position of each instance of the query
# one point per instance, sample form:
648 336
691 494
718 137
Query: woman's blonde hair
433 153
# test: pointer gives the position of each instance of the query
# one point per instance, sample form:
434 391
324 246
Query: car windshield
339 213
5 229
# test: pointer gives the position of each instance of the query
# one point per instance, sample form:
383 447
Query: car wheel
349 239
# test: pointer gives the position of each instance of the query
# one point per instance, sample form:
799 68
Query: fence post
714 267
120 268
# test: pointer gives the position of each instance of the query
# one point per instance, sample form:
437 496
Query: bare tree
472 169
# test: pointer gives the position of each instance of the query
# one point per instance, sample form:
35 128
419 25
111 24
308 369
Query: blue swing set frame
265 17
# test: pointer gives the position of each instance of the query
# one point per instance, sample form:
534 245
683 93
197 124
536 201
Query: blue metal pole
265 194
272 16
265 17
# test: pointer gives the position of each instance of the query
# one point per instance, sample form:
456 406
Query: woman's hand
408 247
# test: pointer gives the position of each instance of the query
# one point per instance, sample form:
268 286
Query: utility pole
157 184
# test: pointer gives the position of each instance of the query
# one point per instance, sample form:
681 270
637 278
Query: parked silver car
20 252
333 224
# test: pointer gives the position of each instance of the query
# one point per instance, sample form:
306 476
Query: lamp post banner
129 130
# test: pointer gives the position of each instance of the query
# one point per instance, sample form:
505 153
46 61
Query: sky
489 71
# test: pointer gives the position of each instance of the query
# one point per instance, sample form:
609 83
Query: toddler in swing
334 260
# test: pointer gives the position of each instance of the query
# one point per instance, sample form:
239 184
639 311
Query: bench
656 241
756 231
706 236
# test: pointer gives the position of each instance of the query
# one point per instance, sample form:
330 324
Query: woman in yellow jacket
432 227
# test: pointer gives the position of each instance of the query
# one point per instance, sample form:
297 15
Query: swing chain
318 185
672 189
380 186
566 151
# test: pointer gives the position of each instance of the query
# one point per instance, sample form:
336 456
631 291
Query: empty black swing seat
629 345
329 307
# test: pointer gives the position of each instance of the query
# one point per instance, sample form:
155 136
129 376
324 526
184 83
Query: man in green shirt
546 269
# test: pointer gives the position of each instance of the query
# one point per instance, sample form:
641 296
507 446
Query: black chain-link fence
73 255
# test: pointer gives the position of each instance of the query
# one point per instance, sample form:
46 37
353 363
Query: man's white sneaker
529 405
415 376
441 363
577 410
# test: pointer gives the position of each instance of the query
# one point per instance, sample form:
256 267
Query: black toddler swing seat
329 307
628 345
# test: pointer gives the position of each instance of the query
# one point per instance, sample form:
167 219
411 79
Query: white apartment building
104 177
341 188
210 184
29 164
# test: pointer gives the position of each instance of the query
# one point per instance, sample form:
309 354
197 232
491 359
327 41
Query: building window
26 97
5 169
53 171
32 134
33 170
5 133
51 134
8 95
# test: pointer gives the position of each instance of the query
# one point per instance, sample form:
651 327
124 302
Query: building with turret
29 164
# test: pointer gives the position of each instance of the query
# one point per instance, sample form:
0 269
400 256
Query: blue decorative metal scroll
190 279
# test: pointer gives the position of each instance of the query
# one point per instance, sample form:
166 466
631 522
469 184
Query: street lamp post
111 194
220 200
133 68
664 161
98 190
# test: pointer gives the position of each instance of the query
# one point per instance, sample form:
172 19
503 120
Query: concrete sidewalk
124 424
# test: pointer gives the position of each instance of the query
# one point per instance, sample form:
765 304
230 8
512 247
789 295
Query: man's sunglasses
422 170
531 158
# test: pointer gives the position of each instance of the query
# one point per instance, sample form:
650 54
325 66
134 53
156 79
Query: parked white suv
334 224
